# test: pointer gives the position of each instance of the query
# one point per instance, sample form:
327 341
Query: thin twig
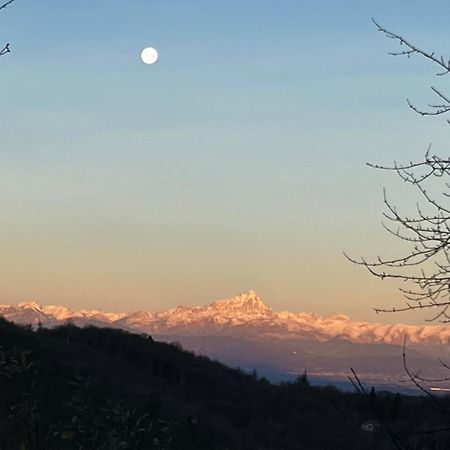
6 4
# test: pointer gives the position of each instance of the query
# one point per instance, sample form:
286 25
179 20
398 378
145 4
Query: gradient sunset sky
236 162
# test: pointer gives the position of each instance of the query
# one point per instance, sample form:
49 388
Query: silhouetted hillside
92 388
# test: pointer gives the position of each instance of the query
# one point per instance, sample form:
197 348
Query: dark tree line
70 388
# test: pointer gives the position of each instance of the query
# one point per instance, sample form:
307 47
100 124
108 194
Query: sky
235 162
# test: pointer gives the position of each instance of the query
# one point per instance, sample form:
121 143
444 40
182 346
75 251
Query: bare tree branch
441 61
425 268
5 48
412 49
7 4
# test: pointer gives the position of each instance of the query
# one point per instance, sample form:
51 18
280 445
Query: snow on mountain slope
245 315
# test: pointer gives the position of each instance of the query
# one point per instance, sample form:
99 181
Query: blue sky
236 162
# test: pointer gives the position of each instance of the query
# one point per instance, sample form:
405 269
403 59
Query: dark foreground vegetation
91 388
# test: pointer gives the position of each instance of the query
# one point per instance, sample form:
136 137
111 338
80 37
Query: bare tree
5 48
425 266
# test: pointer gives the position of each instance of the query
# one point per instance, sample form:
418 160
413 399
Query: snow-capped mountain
32 313
245 315
245 332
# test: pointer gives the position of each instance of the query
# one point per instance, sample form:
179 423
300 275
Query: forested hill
92 388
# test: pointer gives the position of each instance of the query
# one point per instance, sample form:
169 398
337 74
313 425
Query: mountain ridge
245 315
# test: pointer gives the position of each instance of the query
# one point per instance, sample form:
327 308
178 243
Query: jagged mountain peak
30 304
245 303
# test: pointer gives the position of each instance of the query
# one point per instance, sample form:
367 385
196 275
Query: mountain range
244 331
243 315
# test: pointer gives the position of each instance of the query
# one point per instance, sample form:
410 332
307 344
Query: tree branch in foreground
6 48
444 101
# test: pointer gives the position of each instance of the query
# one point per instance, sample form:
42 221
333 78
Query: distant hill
101 388
244 331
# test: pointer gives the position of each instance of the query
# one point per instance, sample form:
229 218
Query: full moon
149 55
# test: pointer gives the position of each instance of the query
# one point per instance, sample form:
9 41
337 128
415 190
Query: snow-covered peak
246 303
339 317
58 312
30 305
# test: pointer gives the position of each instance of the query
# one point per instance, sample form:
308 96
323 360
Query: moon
149 55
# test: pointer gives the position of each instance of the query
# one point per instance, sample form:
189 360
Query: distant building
370 426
